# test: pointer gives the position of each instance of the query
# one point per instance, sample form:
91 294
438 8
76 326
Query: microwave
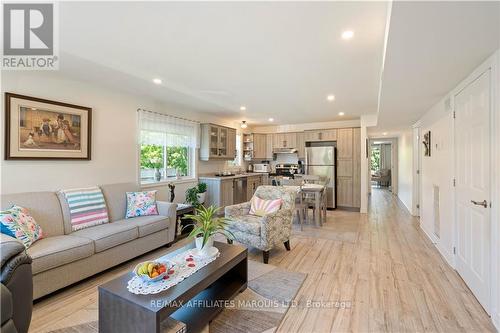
261 167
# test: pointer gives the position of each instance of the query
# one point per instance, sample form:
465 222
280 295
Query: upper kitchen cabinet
269 146
301 149
321 135
344 143
217 142
259 146
285 140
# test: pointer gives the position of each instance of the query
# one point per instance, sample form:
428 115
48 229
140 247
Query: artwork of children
46 129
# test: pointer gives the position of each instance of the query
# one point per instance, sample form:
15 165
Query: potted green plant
207 224
196 195
202 192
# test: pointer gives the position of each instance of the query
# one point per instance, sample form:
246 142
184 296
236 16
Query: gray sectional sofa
64 257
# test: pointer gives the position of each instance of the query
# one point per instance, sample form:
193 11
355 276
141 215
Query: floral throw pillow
141 204
16 222
262 207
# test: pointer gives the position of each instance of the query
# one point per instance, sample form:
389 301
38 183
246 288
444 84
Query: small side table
180 231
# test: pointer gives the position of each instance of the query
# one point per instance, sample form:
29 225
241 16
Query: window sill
165 182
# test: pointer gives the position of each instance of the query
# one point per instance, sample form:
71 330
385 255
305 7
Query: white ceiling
279 59
431 47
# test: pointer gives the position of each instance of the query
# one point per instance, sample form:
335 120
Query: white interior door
472 148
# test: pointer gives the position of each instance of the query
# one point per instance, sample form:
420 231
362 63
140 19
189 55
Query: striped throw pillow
261 207
87 207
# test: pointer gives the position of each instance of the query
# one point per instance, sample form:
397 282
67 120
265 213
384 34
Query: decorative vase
208 245
201 197
157 175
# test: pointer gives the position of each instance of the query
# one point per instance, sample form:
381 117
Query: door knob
483 203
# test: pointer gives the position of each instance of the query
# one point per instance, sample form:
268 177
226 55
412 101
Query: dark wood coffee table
195 301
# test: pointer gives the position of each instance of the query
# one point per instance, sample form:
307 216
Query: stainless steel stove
288 169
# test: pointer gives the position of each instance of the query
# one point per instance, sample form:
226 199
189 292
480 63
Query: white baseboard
495 318
448 256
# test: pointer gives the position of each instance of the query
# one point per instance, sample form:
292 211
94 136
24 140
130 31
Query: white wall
405 177
114 135
437 170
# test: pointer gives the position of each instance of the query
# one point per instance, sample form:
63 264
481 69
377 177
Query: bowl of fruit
151 271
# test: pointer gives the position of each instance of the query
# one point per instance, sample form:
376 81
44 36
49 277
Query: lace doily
185 264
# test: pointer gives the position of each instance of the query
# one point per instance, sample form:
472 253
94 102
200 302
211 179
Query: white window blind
163 129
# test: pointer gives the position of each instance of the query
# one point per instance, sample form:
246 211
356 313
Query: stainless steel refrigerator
320 161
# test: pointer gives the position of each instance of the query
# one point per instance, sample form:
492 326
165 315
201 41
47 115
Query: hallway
391 274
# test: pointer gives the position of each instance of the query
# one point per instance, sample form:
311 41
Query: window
375 158
167 147
237 159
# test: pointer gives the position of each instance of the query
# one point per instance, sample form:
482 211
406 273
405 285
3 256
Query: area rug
260 308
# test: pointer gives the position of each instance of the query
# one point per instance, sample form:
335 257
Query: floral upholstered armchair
263 232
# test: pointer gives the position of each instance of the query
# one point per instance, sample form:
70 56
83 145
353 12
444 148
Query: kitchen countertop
243 175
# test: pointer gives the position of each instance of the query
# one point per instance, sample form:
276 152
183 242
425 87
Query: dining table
316 191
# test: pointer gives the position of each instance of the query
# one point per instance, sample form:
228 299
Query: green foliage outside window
375 160
151 157
177 158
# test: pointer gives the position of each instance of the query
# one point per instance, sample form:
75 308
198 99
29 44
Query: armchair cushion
237 210
246 223
261 207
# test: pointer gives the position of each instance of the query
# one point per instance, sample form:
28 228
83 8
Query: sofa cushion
148 225
18 223
108 235
116 198
43 206
246 223
56 251
82 208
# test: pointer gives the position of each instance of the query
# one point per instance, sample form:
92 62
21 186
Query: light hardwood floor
381 265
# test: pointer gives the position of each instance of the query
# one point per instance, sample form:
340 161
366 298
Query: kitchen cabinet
259 146
217 142
252 183
344 143
220 192
300 145
321 135
226 195
285 140
349 167
269 146
231 144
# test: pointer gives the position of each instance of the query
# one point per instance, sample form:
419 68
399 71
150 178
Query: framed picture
37 128
427 143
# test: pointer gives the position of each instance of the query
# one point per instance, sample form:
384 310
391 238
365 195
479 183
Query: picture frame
41 129
427 143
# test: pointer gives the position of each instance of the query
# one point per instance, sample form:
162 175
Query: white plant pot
202 197
208 245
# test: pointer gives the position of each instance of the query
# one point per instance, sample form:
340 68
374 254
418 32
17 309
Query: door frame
492 65
417 170
394 161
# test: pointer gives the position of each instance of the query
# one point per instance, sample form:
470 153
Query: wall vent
437 224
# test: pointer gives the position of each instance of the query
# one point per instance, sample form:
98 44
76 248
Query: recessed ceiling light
348 34
330 98
385 133
244 124
341 113
271 119
157 81
34 109
243 108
